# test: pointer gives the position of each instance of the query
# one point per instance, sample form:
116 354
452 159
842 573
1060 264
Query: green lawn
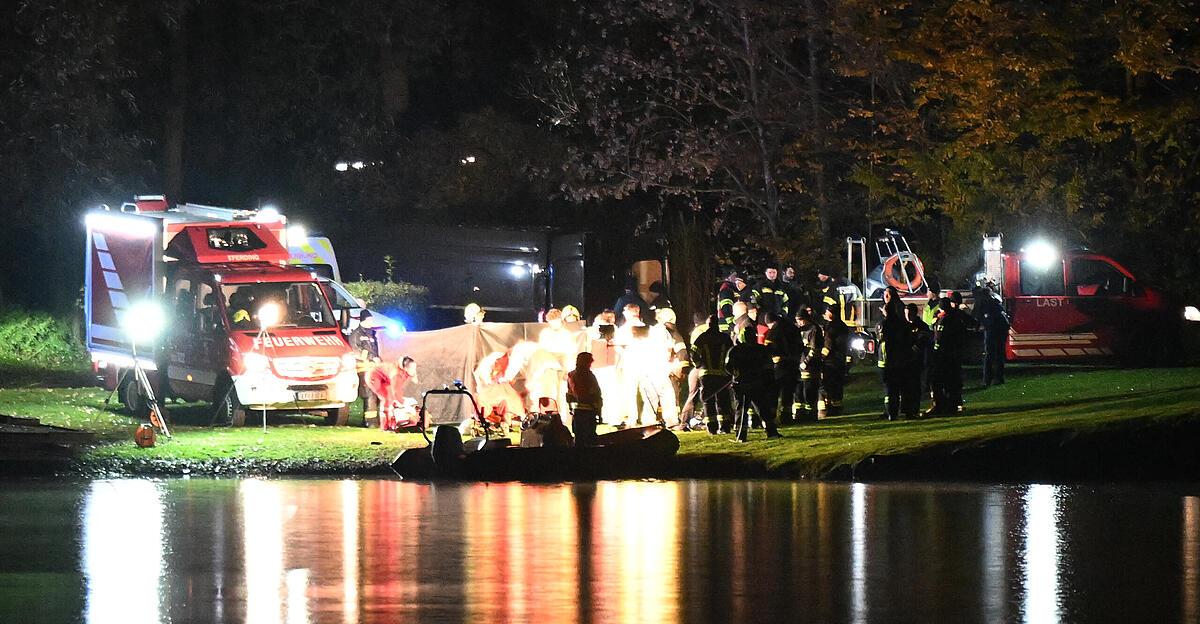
1036 399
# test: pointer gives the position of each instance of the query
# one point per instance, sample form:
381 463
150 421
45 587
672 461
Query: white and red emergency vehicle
212 270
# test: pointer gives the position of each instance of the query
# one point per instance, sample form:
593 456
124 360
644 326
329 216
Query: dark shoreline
1137 451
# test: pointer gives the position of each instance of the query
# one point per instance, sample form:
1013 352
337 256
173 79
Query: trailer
216 274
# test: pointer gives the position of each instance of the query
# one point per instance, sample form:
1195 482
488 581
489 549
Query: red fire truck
1079 304
212 271
1063 305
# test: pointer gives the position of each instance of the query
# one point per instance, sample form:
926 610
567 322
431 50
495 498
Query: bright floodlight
268 214
358 164
144 321
517 271
1191 313
296 234
1041 255
342 166
269 315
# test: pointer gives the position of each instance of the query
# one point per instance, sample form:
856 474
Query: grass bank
1037 399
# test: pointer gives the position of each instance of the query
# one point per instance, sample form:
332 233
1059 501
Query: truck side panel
124 266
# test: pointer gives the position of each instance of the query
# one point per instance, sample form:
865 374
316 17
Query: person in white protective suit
643 375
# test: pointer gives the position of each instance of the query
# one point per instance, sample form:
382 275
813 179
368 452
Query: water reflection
358 552
121 549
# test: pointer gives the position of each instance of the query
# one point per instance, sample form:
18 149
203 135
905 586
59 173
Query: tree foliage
790 126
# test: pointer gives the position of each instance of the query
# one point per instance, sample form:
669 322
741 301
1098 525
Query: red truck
1063 305
1079 304
211 271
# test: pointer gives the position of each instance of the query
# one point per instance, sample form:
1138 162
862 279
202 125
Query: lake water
358 551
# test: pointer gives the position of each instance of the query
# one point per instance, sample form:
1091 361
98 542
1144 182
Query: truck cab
244 330
1075 304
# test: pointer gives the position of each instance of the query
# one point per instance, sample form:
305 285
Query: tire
229 410
131 397
338 416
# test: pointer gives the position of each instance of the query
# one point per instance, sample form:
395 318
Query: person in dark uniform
835 360
366 355
812 341
922 338
583 393
825 293
793 288
895 354
631 296
945 367
989 312
783 340
753 379
727 295
709 351
770 294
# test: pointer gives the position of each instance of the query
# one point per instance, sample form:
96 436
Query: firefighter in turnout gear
825 293
366 355
709 351
835 362
783 339
727 295
895 355
753 383
945 366
812 341
771 295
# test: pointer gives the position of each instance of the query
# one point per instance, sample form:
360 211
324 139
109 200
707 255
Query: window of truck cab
1096 277
303 304
1042 281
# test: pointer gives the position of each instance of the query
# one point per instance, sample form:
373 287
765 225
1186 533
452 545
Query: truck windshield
302 304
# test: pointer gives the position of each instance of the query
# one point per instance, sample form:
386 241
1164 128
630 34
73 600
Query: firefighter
679 365
835 360
727 295
793 288
783 340
945 365
366 356
989 312
825 293
586 400
632 297
749 363
895 354
922 339
770 294
709 351
812 342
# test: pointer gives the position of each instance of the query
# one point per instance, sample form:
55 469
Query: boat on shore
625 454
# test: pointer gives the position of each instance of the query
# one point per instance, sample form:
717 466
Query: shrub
39 339
408 299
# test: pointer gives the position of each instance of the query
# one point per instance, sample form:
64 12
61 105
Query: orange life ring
893 279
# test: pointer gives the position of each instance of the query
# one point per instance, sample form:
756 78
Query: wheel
337 416
229 410
132 399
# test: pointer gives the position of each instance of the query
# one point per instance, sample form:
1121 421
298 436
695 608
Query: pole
263 337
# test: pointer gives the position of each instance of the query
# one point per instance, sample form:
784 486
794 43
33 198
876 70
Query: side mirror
343 318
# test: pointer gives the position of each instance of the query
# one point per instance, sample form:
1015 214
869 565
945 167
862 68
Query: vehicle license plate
310 395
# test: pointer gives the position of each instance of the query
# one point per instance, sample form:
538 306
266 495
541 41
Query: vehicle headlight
1190 313
857 343
255 362
349 362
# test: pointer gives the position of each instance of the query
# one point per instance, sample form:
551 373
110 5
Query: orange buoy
895 277
144 436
